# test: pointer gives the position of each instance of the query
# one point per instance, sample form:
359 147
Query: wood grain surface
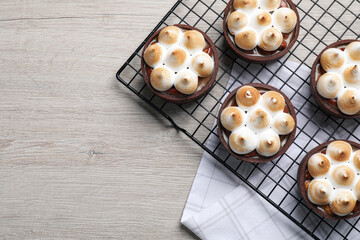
80 156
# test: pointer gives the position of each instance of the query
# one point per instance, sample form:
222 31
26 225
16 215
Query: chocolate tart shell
258 158
301 180
255 58
183 98
334 111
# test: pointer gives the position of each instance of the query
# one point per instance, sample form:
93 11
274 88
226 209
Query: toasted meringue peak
357 190
186 81
246 40
202 64
332 58
349 101
343 203
343 175
258 119
285 19
269 143
263 18
273 101
329 85
242 141
318 165
169 35
193 41
353 50
319 191
154 54
283 123
176 58
162 78
271 39
352 75
232 118
356 160
339 151
236 21
245 4
247 97
270 5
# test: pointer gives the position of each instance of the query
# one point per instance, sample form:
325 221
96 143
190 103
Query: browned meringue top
343 175
271 39
169 35
343 202
249 4
319 191
318 165
274 101
339 151
332 58
247 96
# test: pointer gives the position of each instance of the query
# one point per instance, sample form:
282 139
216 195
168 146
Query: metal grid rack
322 22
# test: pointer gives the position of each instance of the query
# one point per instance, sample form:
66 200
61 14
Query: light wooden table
80 156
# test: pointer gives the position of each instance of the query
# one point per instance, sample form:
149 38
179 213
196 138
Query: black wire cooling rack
322 22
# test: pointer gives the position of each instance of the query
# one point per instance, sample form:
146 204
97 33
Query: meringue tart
179 63
329 179
335 79
256 123
261 31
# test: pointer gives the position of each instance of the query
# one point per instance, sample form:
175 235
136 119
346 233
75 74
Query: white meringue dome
329 85
169 35
271 39
193 41
154 54
283 123
332 58
343 203
232 118
258 119
246 39
269 143
243 141
273 101
351 75
339 151
349 101
202 64
162 78
356 160
236 21
285 19
343 176
245 4
177 58
269 5
186 81
357 189
263 18
319 191
247 97
318 165
353 50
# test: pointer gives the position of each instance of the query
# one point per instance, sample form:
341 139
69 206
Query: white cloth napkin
219 205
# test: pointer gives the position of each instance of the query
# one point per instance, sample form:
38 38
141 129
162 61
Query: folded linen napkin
219 205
